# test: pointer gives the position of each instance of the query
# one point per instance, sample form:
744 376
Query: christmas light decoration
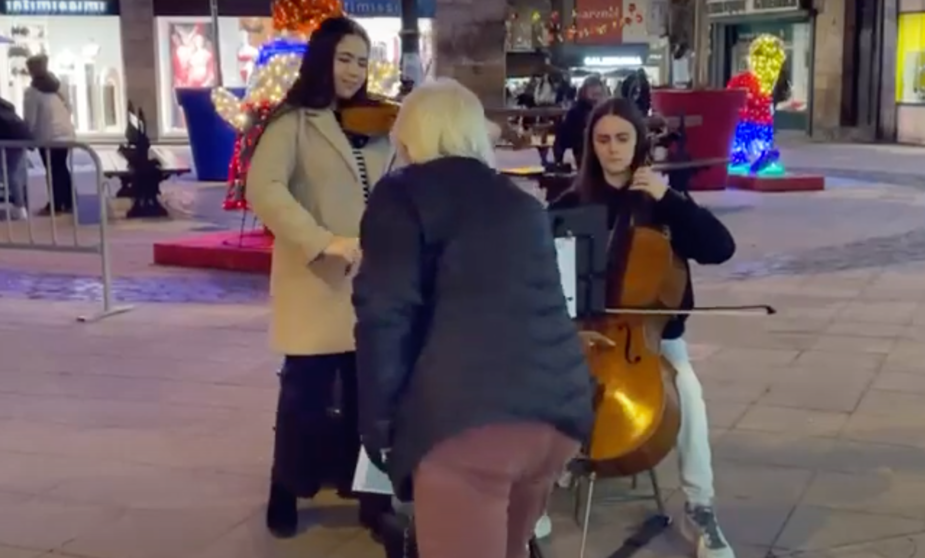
753 150
276 67
302 17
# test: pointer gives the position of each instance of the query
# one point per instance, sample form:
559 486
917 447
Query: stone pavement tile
755 358
767 418
11 552
797 325
136 486
762 483
855 330
906 355
891 403
837 361
735 390
852 344
795 374
905 430
833 396
725 414
813 528
792 449
907 546
877 493
901 312
109 413
864 458
900 381
158 533
326 531
46 524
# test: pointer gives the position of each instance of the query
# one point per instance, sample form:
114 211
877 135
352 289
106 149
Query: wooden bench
115 167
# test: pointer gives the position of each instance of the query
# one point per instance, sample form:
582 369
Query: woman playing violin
613 173
308 182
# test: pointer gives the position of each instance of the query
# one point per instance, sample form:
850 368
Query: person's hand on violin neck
648 181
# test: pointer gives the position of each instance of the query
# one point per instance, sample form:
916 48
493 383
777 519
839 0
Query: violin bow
748 310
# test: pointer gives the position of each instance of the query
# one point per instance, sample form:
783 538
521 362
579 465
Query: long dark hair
314 87
590 185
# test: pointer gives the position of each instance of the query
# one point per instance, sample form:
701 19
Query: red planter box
711 116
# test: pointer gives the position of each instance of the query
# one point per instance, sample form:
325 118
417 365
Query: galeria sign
720 8
59 7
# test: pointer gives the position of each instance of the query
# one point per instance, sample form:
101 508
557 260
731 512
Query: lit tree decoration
302 17
753 150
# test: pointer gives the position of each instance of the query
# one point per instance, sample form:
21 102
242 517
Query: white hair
442 118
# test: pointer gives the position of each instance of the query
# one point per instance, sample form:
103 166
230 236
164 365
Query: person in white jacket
48 114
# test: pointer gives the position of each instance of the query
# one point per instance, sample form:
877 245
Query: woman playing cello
614 173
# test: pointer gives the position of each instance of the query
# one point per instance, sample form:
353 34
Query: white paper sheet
368 478
566 252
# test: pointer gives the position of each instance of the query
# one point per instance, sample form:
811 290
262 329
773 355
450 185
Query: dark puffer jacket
461 318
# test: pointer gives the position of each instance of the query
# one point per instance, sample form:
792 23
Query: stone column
828 66
139 43
470 46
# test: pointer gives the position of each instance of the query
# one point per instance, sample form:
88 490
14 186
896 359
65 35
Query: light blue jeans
17 174
694 456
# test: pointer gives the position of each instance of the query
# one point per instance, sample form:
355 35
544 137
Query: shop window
79 50
187 56
910 59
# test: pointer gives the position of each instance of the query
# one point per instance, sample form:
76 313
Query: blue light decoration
278 47
753 151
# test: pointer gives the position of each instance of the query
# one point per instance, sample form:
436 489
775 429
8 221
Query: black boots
282 512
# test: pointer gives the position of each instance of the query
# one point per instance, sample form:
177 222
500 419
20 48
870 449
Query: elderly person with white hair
472 379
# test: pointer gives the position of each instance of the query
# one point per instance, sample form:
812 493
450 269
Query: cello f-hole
627 355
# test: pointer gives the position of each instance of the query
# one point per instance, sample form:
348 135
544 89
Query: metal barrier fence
59 182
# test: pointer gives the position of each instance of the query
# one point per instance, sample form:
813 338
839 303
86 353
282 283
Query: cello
637 407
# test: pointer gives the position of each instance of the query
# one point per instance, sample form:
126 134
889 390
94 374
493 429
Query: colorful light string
753 150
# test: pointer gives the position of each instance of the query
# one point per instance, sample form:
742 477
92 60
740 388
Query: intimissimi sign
724 8
60 7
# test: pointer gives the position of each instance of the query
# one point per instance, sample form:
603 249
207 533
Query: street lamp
411 68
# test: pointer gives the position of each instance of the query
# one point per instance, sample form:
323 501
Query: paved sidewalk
148 435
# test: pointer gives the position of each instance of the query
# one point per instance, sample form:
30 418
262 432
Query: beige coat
304 184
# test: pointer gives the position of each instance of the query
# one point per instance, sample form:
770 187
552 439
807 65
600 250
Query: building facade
902 82
109 53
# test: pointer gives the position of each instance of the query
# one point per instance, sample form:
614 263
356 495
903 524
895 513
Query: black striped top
364 173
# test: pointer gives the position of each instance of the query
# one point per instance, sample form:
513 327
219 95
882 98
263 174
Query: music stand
587 225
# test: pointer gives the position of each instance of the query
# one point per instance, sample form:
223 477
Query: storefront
187 55
611 62
910 74
738 22
82 41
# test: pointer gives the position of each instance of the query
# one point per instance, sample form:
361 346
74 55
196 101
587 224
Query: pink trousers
481 493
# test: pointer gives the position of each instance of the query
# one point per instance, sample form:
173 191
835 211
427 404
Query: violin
371 117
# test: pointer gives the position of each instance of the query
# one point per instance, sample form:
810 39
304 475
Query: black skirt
317 441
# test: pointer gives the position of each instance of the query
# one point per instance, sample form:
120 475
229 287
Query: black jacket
571 131
696 234
461 318
12 126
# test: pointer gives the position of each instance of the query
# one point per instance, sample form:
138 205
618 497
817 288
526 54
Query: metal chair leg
586 524
656 489
635 482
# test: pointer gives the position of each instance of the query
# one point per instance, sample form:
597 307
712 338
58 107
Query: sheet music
566 249
368 479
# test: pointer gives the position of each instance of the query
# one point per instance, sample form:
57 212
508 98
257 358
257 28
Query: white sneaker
543 527
701 528
19 214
